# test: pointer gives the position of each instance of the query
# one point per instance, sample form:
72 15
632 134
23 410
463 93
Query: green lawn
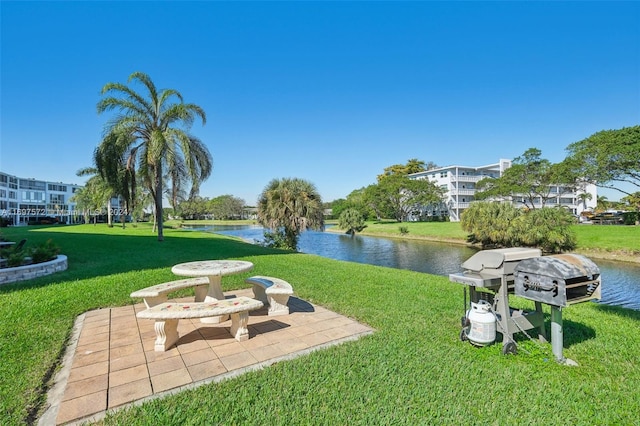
589 237
413 370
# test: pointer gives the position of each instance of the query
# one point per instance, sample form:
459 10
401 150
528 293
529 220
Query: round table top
211 267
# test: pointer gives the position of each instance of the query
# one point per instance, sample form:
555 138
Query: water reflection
621 281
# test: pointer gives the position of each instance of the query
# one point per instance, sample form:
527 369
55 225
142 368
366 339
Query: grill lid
494 259
564 266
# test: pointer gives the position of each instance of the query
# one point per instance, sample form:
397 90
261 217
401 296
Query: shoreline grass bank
412 370
610 242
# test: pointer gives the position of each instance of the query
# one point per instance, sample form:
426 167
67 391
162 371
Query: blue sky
330 92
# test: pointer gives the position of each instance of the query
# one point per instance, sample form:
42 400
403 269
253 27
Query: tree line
147 154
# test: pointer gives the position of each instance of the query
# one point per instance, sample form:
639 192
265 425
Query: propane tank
482 327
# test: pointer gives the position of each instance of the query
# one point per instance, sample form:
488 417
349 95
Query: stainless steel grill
558 281
489 275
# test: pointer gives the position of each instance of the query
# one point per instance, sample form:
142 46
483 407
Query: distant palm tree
584 197
157 146
94 195
287 207
602 203
351 219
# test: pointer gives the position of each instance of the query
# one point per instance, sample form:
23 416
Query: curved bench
157 294
273 292
167 316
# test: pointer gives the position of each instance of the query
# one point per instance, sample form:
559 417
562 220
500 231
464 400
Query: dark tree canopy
608 158
396 196
413 166
529 178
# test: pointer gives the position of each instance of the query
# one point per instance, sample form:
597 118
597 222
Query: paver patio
111 362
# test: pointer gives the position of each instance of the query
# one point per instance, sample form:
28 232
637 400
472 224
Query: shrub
546 228
44 252
16 258
503 225
404 230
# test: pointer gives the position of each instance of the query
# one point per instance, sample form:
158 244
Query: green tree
351 220
287 207
529 179
608 158
398 196
117 170
157 127
602 203
583 197
94 196
226 207
633 200
413 166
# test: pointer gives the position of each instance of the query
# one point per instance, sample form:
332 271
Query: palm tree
117 168
602 203
287 207
94 195
351 219
584 197
156 144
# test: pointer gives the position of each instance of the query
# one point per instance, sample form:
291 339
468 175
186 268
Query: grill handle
537 286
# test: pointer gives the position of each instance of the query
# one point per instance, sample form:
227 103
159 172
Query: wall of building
24 201
459 182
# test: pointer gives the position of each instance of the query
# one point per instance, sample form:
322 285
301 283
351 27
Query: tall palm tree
289 206
157 128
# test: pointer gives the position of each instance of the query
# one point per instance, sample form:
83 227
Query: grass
600 241
413 370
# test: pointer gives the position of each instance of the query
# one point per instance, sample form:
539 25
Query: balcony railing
466 178
463 191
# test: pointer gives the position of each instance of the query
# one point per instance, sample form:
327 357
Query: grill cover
558 280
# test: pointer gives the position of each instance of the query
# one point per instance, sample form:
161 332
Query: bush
44 252
630 218
16 258
404 230
546 228
502 225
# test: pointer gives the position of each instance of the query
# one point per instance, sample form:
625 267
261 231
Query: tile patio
110 361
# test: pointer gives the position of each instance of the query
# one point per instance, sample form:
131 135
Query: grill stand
511 321
557 337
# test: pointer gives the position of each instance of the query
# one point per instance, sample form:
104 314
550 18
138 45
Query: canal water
620 281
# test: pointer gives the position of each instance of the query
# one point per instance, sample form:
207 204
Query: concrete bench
157 294
167 316
273 292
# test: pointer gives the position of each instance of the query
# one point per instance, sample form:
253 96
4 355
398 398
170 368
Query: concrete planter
27 272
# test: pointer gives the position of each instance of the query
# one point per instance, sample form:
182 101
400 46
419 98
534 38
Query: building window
54 187
32 184
56 198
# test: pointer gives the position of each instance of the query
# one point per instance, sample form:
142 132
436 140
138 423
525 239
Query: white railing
463 191
466 178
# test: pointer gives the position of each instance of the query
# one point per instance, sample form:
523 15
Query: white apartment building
459 182
29 200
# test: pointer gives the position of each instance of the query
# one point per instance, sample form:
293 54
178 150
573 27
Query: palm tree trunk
109 216
158 202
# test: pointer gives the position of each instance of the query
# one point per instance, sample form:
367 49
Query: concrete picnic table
214 270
